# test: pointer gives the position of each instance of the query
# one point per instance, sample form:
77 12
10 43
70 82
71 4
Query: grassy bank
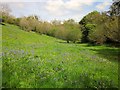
39 61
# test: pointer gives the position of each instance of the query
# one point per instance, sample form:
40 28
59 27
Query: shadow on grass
65 42
110 54
117 45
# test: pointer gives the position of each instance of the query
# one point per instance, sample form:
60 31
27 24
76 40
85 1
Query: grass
30 60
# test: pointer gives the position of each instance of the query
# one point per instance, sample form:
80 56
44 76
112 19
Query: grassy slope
32 60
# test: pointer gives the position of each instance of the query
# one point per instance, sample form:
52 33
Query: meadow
30 60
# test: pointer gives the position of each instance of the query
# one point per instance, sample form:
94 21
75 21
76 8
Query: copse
88 24
17 21
96 27
4 10
93 27
29 23
33 23
24 24
46 27
52 30
56 22
115 8
113 30
43 27
98 33
60 32
5 13
73 29
103 27
112 25
69 31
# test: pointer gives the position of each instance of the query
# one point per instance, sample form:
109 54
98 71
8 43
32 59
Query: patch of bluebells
17 53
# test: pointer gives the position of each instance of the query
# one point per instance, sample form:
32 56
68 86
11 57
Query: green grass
30 60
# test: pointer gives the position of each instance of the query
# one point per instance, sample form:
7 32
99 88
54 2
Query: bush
69 33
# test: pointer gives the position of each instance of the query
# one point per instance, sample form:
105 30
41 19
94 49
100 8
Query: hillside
38 61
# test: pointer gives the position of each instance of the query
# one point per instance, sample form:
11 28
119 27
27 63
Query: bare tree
4 9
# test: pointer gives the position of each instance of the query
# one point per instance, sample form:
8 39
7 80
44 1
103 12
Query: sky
57 9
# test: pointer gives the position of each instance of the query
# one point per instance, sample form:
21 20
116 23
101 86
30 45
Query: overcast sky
57 9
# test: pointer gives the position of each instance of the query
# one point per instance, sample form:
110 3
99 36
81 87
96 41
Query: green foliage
69 31
56 22
73 33
17 21
115 8
68 34
112 29
88 19
60 32
24 24
30 60
5 13
99 28
39 61
8 19
91 17
97 35
95 27
44 28
29 23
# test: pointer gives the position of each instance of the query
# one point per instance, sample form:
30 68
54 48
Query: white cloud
60 7
56 9
76 17
23 1
103 5
19 5
55 6
84 1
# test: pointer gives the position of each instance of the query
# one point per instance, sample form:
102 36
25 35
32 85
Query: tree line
100 28
96 27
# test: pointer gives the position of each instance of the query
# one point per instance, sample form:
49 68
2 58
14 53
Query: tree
70 22
24 24
91 18
5 12
61 32
115 8
112 25
97 34
113 30
56 22
29 23
69 31
17 21
4 9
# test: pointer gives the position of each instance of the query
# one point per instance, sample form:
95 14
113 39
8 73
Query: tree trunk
67 41
73 41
